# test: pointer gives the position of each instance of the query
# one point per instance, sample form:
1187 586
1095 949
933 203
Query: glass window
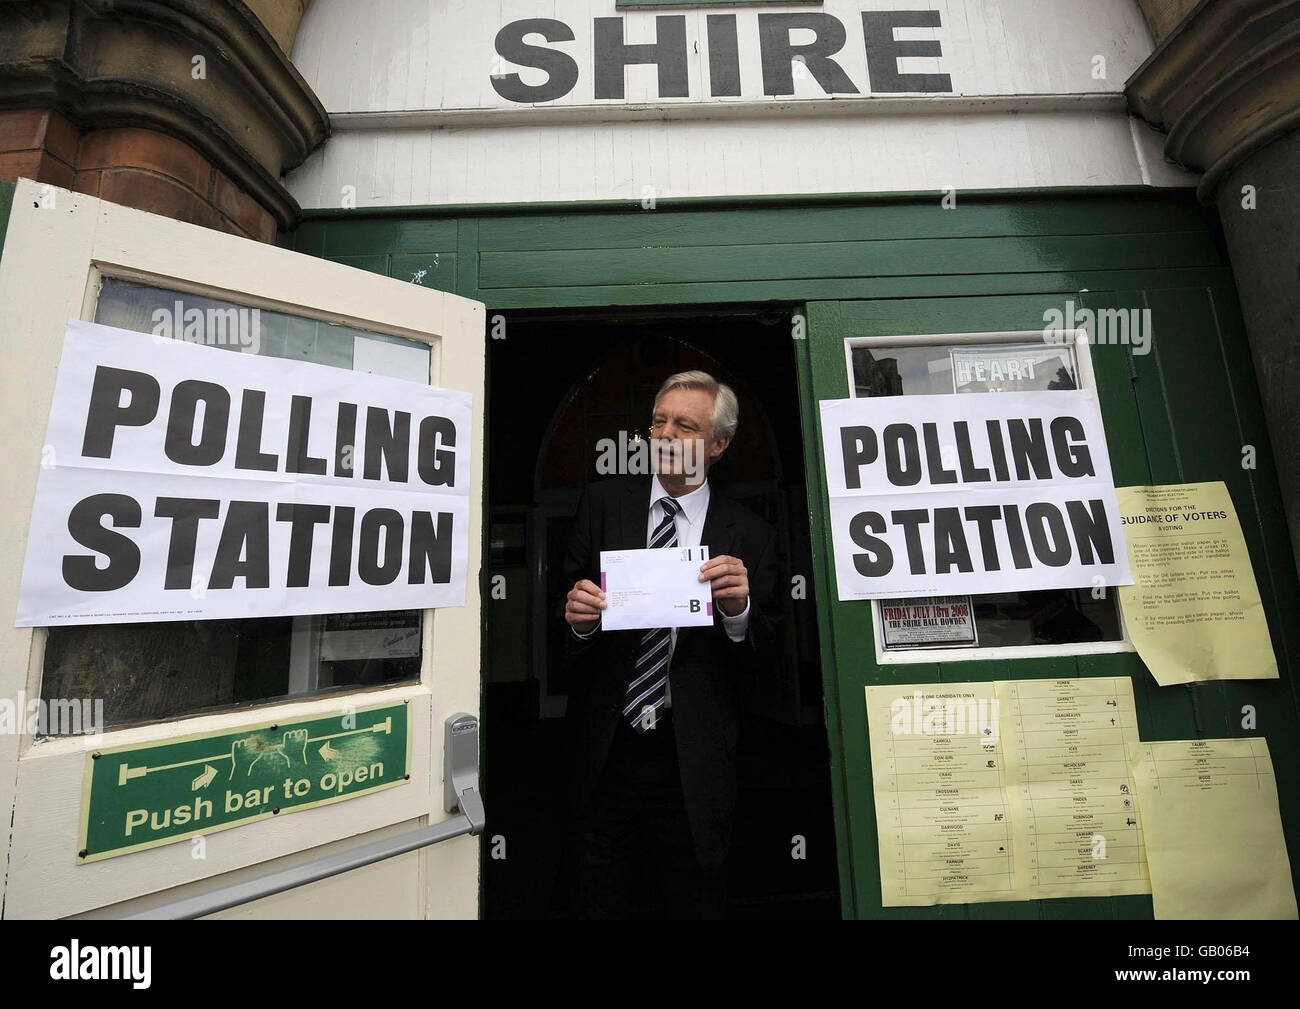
1003 619
146 672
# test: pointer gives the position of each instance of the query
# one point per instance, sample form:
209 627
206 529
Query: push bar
460 794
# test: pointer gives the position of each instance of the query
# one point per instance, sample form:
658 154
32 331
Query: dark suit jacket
706 666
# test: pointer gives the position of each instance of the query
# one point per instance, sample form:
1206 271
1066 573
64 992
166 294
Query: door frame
57 247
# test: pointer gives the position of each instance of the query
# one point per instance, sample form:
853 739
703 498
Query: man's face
683 428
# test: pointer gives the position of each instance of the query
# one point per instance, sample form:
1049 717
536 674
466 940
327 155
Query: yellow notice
942 814
1006 790
1213 830
1193 611
1074 816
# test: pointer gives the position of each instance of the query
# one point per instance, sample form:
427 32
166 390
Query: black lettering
437 465
296 458
984 516
1043 518
778 52
185 514
902 455
211 446
668 53
341 546
884 51
302 519
950 542
248 443
86 527
880 560
105 414
1073 458
561 68
934 456
387 444
1029 448
859 448
911 519
430 548
970 473
997 449
374 569
1091 530
246 529
1016 537
724 56
345 441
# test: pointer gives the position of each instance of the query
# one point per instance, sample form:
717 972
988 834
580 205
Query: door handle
460 769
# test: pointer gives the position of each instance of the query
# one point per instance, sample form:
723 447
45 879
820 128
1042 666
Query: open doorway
559 383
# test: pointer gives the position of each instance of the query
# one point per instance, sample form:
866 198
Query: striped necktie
647 690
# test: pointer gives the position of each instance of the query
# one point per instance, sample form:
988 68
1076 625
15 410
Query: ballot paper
1073 812
655 588
1213 830
1005 790
943 817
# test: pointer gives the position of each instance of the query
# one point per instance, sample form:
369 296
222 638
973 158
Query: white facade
426 110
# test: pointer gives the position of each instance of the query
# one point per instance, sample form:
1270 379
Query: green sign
137 797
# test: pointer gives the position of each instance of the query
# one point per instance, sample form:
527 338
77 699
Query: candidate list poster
182 482
948 495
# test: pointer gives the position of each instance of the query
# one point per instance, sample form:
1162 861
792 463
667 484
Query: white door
68 256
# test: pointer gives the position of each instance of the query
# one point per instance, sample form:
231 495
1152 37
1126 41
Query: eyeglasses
654 431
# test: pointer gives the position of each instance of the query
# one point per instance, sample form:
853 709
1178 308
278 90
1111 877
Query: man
656 712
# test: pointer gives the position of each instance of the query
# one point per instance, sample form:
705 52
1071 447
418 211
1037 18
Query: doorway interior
559 384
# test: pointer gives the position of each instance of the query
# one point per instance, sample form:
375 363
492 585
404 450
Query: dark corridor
562 389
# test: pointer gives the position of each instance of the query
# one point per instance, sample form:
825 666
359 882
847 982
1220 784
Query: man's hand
583 605
730 580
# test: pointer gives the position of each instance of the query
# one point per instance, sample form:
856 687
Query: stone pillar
1224 83
186 108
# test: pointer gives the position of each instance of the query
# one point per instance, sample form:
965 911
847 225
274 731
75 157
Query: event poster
927 622
949 495
1193 612
181 482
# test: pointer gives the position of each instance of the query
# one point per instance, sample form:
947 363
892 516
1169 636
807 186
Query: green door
1182 412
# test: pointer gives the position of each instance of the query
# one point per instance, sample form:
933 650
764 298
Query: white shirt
689 522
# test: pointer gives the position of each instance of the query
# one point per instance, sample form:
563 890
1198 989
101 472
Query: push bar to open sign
126 773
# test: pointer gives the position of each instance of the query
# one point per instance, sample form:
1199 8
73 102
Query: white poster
949 495
182 482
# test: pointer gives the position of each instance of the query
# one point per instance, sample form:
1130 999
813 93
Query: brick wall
128 165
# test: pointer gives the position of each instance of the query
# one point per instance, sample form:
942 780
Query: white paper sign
182 482
948 495
655 588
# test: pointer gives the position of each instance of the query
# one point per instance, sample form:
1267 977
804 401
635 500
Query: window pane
146 672
1049 617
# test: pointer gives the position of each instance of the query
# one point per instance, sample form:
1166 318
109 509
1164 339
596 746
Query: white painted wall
439 54
408 84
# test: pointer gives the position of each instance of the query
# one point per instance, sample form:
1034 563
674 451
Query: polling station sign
948 495
138 797
183 482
